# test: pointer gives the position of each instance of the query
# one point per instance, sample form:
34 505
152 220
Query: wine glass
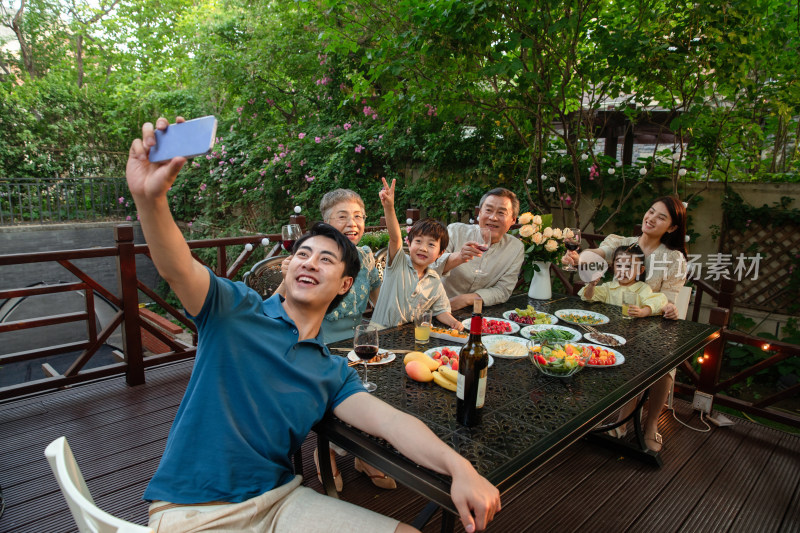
289 234
572 240
484 240
365 346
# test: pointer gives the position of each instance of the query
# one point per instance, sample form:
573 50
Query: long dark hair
676 239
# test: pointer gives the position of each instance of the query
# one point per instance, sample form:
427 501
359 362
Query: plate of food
494 326
551 333
506 346
601 356
529 316
581 316
383 357
606 339
451 352
560 360
452 335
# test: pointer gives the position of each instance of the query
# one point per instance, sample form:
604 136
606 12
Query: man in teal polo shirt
262 378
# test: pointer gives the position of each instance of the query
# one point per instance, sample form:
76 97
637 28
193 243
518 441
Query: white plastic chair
682 301
88 517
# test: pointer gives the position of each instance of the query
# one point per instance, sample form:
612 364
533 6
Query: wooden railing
709 378
132 362
126 303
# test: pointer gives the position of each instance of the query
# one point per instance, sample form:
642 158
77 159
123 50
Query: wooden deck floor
742 478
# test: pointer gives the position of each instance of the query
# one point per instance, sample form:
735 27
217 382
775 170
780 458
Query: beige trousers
286 509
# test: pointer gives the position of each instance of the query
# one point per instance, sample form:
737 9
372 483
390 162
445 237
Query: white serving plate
601 318
351 355
618 356
594 340
514 326
553 318
429 353
491 340
528 331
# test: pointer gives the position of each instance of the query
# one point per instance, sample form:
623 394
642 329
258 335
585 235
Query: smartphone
186 139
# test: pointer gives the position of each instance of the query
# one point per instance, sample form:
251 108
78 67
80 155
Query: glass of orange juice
422 326
628 299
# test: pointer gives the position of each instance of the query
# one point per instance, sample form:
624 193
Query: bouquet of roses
542 242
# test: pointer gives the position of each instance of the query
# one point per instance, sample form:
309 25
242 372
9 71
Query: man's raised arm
149 183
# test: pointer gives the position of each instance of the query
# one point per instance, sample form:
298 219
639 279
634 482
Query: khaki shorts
286 509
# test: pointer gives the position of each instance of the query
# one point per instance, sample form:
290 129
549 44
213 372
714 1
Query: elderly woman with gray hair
344 210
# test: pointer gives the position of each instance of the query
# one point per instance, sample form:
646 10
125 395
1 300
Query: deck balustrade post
222 260
131 332
413 214
727 288
712 354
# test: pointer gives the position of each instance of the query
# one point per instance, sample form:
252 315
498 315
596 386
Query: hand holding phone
184 139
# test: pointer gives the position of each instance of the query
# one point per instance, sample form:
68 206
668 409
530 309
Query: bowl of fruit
561 360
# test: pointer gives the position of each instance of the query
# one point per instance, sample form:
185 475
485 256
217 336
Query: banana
449 373
443 381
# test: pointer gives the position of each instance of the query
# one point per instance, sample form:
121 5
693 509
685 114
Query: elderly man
499 265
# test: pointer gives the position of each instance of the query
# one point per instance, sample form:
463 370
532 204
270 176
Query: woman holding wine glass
289 234
663 241
572 241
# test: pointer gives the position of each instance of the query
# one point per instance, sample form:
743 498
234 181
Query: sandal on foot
617 432
379 480
337 476
655 439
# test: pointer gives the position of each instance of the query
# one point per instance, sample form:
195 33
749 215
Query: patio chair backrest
380 259
265 276
682 301
88 517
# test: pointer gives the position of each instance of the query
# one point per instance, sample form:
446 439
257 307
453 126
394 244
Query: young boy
409 286
628 265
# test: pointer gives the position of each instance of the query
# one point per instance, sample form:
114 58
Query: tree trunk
79 58
24 49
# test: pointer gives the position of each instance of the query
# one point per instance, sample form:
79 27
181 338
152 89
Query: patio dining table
528 417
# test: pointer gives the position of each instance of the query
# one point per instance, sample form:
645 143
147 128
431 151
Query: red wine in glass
572 241
365 353
482 243
365 346
289 234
